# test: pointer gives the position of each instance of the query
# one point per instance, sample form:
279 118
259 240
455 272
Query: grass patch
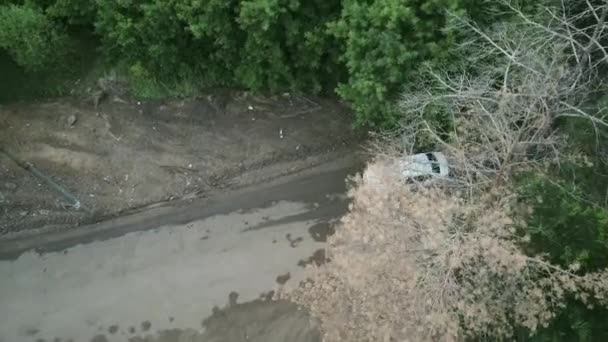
143 84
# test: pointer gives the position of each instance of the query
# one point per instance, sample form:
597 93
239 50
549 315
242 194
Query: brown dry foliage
415 263
442 261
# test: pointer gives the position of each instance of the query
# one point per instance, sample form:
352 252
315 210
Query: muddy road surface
124 155
200 271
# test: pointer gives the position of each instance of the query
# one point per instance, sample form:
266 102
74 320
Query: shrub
216 43
149 33
385 42
287 45
144 84
74 12
257 44
30 37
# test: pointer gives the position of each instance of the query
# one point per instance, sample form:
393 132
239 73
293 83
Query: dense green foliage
385 41
30 37
569 224
570 229
286 44
364 50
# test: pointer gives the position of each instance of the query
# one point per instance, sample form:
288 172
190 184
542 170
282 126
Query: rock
44 212
23 213
72 120
98 97
10 186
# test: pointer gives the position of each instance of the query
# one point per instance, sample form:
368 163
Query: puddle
257 321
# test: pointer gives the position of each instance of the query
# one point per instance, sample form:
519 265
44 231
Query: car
424 166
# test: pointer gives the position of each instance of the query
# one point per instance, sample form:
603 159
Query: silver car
424 166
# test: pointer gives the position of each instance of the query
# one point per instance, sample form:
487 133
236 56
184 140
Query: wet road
157 275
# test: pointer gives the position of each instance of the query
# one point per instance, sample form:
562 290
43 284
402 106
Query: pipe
75 202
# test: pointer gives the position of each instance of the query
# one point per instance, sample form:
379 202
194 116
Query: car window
434 163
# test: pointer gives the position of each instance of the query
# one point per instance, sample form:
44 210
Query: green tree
385 42
33 40
570 226
145 32
287 44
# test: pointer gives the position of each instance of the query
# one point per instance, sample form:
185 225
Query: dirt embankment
126 154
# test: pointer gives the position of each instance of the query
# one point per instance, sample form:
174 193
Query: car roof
420 165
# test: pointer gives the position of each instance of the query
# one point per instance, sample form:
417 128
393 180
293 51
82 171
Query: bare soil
125 155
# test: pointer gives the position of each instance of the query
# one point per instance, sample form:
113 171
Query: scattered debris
281 133
72 120
114 154
118 100
98 97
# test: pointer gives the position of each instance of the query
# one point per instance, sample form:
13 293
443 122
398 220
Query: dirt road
158 275
127 154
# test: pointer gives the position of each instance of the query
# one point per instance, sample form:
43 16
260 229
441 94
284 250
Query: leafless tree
504 116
